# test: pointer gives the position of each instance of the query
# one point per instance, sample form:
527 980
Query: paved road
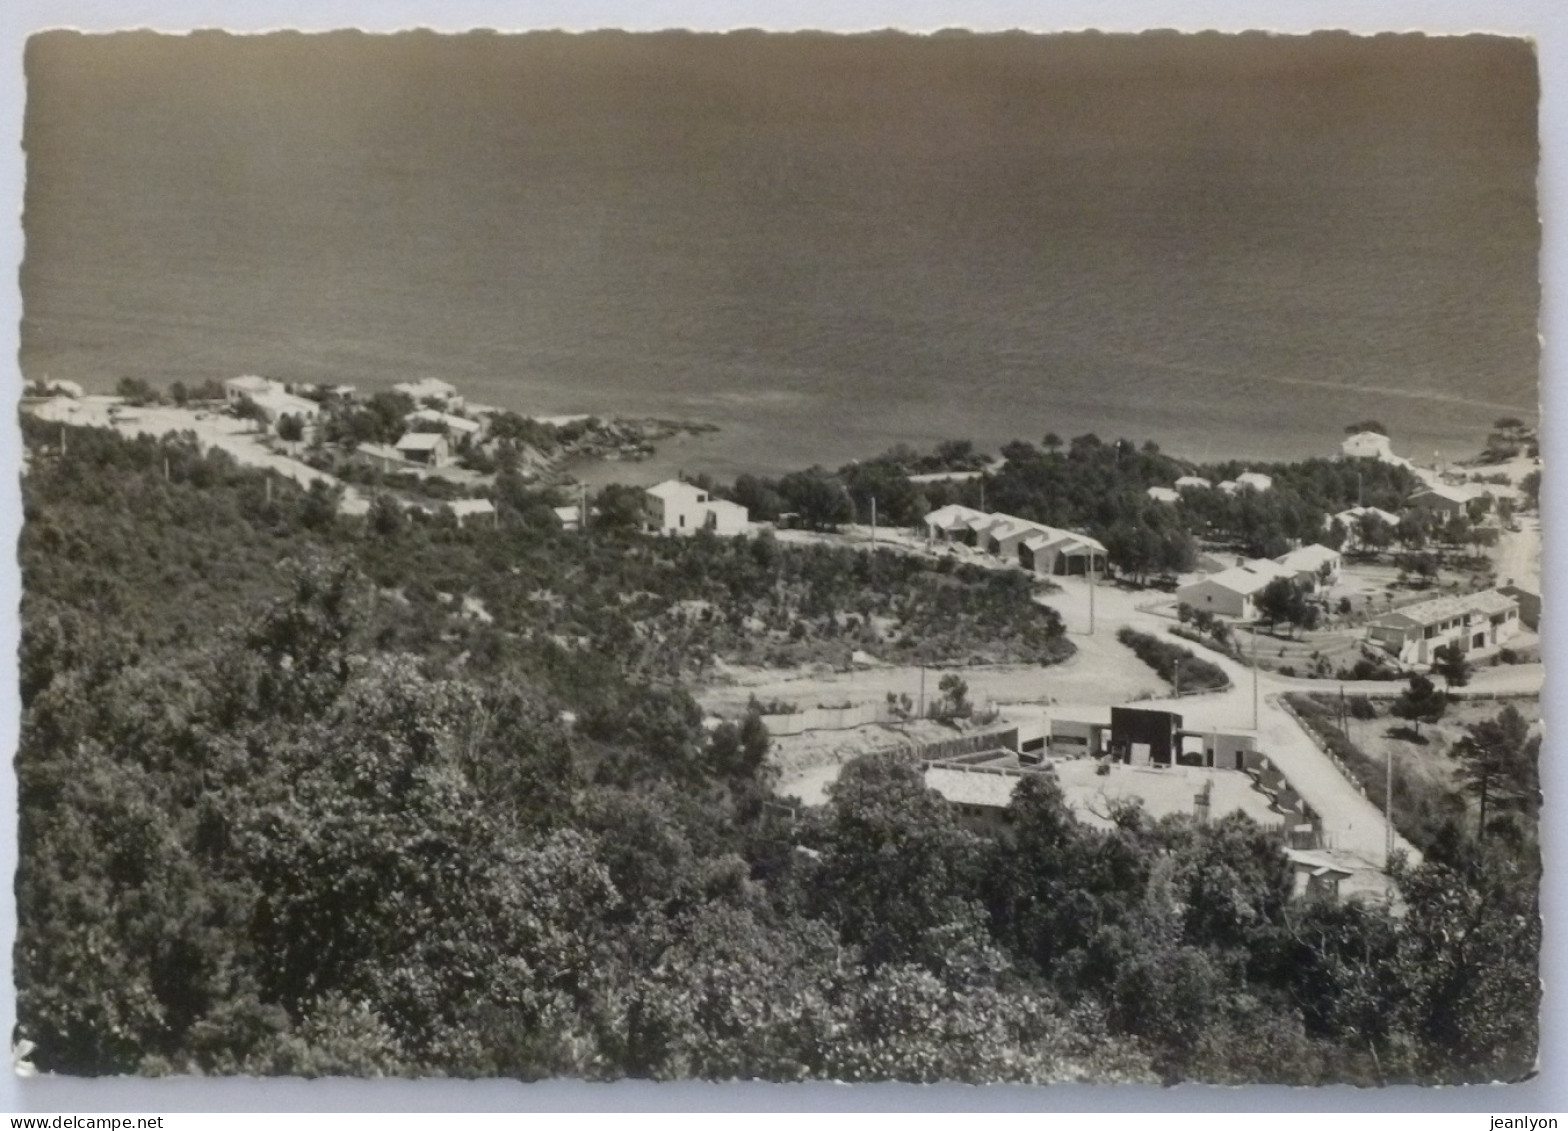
1354 827
1352 824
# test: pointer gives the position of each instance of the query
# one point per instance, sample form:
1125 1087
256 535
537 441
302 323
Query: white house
571 517
1370 445
950 523
428 390
1002 539
455 427
1163 494
1443 499
1309 563
1350 518
428 448
464 509
383 456
272 398
1192 483
677 507
249 387
1233 592
1478 624
1255 480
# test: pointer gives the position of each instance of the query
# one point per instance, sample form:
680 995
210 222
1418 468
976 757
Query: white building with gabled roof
1315 565
429 390
678 507
1233 592
464 509
1477 624
455 427
429 449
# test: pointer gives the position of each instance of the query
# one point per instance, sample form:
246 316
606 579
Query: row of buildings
435 427
1246 481
1037 547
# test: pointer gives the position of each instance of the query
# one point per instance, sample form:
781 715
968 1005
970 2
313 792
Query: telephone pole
873 520
1388 807
1254 677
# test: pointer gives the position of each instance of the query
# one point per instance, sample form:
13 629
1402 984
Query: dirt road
212 430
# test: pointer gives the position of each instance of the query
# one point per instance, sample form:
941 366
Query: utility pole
582 507
922 691
1254 677
873 520
1091 604
1388 807
62 439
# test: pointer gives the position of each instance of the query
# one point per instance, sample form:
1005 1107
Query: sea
825 245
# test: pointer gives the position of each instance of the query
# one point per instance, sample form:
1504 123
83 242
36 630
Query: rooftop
1244 579
672 489
1308 557
1440 609
426 387
445 419
972 787
1454 494
420 442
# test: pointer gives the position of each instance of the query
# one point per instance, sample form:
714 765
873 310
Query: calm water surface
825 245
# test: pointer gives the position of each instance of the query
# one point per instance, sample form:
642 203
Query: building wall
677 516
1134 729
1412 645
726 520
1070 739
1213 598
1437 504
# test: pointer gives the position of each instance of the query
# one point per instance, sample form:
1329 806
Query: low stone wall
828 718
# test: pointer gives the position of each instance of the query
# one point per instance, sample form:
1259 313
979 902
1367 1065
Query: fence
1322 746
828 718
946 748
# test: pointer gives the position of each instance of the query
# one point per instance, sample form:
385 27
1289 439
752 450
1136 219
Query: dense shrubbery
1175 664
279 816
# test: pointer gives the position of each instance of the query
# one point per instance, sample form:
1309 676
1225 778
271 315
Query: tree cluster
315 817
